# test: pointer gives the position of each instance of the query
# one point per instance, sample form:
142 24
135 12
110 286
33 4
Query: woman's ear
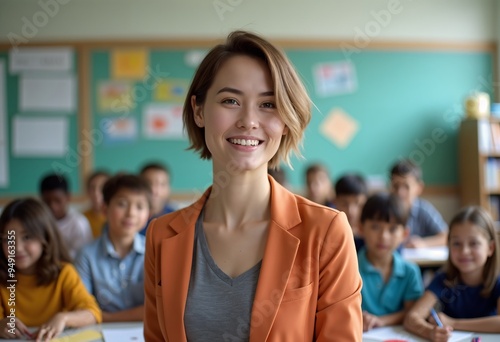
491 248
285 130
197 112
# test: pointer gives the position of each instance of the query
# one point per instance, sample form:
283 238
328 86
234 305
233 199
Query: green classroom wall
26 172
401 98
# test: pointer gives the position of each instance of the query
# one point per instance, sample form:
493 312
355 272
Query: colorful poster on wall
129 64
171 90
339 127
119 130
162 121
335 78
114 96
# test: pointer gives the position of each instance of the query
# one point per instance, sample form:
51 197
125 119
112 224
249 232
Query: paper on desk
426 253
135 334
82 336
398 333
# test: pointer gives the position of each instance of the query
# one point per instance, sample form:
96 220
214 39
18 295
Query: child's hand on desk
370 321
52 328
415 241
440 334
20 330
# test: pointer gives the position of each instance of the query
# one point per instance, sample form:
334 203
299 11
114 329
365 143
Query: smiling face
28 248
127 213
382 238
242 125
469 249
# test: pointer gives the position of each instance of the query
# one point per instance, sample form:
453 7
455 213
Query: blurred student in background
427 227
94 213
391 285
318 185
157 176
48 291
73 226
350 196
112 267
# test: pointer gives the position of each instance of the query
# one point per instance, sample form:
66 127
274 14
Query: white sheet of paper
398 333
123 334
426 253
40 59
55 93
40 136
4 157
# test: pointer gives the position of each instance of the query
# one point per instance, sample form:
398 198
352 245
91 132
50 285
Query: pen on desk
436 318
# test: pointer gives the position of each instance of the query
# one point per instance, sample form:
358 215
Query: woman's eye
230 101
269 105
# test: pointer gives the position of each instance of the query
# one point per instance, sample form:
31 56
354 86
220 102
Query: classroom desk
406 336
427 256
91 333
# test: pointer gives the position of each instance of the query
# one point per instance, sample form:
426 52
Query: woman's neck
238 199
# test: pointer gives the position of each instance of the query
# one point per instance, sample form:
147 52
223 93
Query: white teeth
244 142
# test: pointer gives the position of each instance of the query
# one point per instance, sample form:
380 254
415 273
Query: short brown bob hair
292 102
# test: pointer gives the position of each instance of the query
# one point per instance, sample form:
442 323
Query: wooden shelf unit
478 152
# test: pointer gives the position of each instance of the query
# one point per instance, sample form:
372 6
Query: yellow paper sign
129 64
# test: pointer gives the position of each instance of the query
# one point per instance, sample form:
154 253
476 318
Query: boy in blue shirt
391 285
112 267
427 227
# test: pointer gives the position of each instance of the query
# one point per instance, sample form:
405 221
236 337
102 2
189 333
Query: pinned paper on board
22 59
162 121
40 136
129 64
119 130
339 127
335 78
48 93
171 90
193 58
114 96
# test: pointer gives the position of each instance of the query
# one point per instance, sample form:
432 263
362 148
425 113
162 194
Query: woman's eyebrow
239 92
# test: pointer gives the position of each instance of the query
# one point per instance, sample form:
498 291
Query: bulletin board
401 104
40 137
390 102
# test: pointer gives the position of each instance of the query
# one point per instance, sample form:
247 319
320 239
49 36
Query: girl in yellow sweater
38 285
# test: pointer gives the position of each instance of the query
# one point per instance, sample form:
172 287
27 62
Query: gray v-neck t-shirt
218 307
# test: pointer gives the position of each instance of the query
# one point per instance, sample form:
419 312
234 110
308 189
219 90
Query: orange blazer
309 287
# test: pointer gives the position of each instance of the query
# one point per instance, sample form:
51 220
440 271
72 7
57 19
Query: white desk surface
67 334
412 338
426 256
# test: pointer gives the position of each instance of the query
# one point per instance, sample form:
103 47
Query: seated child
112 267
158 178
318 185
391 285
468 291
427 227
73 227
350 196
48 291
94 214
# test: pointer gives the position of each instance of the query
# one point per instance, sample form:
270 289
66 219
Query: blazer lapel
176 272
279 257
